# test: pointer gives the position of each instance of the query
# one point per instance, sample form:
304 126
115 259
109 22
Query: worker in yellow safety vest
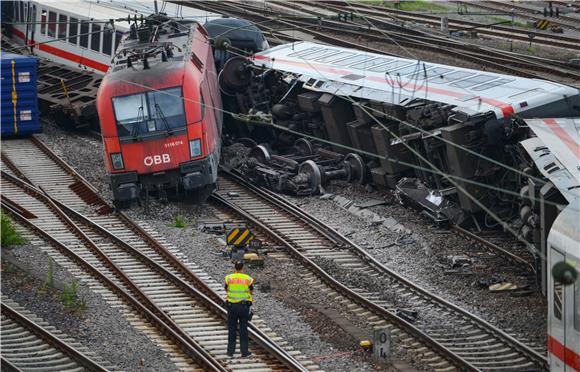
239 287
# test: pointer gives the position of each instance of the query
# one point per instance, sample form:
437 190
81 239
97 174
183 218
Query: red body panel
165 152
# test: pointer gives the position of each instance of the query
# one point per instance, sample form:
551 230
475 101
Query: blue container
20 115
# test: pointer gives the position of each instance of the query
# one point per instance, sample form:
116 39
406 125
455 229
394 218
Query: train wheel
357 171
261 154
304 147
314 176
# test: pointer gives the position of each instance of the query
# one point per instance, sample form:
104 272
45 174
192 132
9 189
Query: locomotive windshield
150 112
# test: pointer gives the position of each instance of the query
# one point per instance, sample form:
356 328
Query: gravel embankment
99 327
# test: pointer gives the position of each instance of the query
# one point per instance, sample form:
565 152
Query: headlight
195 148
117 161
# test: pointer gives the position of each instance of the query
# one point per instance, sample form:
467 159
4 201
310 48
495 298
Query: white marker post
382 345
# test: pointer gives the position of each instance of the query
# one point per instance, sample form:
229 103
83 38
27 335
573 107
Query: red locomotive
160 111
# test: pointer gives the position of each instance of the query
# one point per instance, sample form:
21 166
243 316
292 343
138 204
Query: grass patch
9 235
8 268
412 6
71 299
179 222
494 19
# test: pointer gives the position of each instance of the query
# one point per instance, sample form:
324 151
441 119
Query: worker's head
239 265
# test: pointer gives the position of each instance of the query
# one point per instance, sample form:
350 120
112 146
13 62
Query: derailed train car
401 115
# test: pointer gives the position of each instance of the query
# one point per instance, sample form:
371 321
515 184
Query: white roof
551 168
392 79
107 9
556 152
562 137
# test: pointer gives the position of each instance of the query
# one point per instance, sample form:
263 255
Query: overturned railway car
406 118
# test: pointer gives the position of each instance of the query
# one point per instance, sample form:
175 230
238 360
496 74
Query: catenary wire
390 117
434 170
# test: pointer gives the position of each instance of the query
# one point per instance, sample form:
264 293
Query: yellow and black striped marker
542 24
240 237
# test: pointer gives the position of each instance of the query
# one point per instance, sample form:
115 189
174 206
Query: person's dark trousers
238 312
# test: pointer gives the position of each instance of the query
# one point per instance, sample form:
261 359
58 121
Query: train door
556 318
31 25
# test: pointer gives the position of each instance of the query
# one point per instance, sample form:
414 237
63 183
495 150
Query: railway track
29 343
523 11
523 259
453 336
495 31
353 35
119 252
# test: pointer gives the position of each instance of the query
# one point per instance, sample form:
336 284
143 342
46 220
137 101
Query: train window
62 21
51 24
33 16
492 84
427 71
373 65
22 16
577 305
73 30
388 66
334 57
351 60
130 111
153 111
96 37
473 81
304 52
558 296
320 53
443 79
84 35
107 41
392 67
43 21
118 36
528 93
25 13
415 68
438 71
202 103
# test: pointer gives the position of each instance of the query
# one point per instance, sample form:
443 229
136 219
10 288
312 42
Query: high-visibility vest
238 287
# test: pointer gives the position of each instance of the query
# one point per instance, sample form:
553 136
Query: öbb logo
156 159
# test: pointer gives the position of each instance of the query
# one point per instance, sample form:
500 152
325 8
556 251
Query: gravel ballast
419 251
100 327
420 256
320 341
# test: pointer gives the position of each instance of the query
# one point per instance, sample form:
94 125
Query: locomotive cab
159 109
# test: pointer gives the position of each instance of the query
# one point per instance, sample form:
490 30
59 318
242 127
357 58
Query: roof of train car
105 10
392 79
556 152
